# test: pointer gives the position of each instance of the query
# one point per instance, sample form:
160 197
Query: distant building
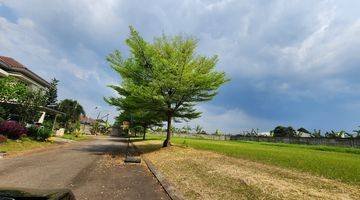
86 123
11 67
303 135
264 134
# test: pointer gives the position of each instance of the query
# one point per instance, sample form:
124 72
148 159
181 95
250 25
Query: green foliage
21 100
281 131
51 93
316 134
198 129
43 133
73 110
218 132
39 133
165 79
95 127
12 90
335 134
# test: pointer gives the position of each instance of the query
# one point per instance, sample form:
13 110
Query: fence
346 142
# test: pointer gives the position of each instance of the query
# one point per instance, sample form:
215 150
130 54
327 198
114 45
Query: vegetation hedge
39 133
12 129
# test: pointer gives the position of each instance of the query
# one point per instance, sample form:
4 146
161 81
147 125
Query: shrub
39 133
43 133
77 133
32 131
12 129
3 138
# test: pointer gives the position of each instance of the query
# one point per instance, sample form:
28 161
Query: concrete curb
2 154
168 187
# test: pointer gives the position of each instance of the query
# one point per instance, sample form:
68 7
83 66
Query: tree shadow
113 146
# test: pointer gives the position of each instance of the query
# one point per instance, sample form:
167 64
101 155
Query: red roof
86 120
11 62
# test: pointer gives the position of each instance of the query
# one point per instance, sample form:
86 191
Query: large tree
167 77
132 111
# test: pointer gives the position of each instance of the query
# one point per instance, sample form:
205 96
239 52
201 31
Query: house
86 123
11 67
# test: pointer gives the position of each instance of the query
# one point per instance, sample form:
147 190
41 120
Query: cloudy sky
290 62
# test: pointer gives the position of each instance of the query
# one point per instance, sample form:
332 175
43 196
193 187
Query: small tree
218 132
198 129
72 110
281 131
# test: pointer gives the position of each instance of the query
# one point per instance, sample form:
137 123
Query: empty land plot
200 174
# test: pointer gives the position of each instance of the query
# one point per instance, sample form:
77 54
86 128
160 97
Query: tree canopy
72 110
51 93
165 78
20 100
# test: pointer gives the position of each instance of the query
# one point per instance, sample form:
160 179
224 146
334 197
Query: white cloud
22 41
230 121
292 50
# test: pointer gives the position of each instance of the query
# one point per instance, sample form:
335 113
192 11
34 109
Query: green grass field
331 162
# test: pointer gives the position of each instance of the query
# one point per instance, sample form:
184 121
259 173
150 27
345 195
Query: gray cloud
284 57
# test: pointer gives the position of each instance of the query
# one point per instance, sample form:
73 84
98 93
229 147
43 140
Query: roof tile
11 62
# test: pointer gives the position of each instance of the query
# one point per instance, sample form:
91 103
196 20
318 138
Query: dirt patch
207 175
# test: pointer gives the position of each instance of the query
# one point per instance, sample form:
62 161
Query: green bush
39 133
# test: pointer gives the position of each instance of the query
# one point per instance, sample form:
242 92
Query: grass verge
75 138
21 145
330 162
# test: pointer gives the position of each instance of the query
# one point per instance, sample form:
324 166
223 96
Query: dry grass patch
206 175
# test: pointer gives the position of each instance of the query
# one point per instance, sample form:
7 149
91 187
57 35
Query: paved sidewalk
92 170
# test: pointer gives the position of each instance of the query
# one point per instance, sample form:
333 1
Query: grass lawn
73 137
330 162
12 146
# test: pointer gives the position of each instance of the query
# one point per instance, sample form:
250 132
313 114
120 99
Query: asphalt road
92 170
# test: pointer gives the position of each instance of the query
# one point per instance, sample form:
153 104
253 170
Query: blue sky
290 62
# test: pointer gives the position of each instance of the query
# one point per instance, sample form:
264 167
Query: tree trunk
144 127
168 134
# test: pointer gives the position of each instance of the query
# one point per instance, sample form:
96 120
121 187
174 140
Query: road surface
91 169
